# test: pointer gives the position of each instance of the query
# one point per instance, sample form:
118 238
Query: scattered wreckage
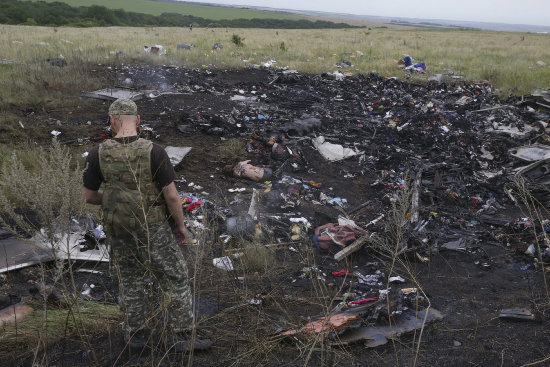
451 155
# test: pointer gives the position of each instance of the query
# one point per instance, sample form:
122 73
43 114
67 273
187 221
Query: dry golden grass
508 60
41 329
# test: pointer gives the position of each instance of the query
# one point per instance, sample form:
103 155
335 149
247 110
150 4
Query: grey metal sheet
18 253
537 172
70 248
176 154
531 153
114 93
378 335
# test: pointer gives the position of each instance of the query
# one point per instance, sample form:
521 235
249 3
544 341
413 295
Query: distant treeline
61 14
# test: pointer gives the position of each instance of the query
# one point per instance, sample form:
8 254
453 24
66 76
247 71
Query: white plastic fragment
243 98
337 75
98 232
333 152
302 220
370 279
531 250
55 132
396 279
511 130
399 128
345 221
486 154
255 301
223 263
87 290
269 63
238 189
156 49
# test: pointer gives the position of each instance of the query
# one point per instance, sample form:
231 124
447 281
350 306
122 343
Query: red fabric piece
101 136
341 273
362 301
194 206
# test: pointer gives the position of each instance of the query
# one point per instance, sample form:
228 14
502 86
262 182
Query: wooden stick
351 248
357 244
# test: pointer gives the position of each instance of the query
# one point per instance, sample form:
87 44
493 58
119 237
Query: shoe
184 343
137 341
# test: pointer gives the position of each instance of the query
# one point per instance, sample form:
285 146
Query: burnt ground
449 135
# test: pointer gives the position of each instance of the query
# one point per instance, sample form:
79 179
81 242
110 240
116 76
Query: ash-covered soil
463 246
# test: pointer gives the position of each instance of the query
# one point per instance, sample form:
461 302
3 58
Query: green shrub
232 150
50 189
237 40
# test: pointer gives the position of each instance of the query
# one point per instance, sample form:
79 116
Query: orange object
12 314
334 323
315 184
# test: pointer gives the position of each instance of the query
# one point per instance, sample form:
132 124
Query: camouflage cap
123 107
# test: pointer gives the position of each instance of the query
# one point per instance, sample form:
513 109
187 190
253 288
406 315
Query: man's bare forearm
174 204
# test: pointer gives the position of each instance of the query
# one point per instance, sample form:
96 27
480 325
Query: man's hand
182 235
91 196
174 207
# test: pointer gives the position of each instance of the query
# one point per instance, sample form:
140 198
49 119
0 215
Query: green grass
203 11
507 60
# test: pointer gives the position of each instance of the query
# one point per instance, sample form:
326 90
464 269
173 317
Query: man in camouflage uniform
138 198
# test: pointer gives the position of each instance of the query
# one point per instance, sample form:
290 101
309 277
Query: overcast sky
535 12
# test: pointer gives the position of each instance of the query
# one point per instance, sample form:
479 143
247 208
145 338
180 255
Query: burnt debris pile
364 169
361 142
450 165
365 163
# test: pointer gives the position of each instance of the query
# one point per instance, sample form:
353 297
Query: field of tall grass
28 79
507 60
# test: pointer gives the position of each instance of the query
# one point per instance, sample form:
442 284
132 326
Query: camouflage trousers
153 280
